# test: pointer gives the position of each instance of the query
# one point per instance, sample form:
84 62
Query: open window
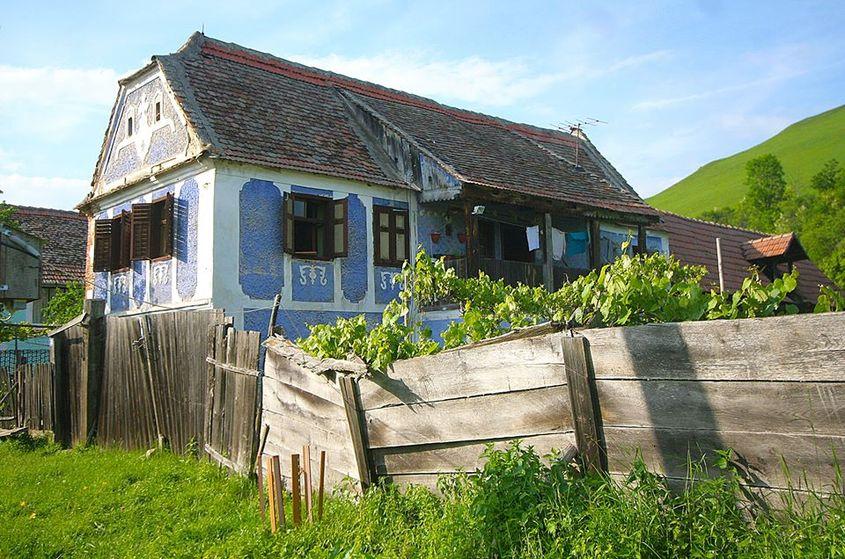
390 231
112 243
152 229
315 227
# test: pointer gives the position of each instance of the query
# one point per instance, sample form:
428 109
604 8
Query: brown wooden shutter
141 231
167 221
102 245
340 227
287 222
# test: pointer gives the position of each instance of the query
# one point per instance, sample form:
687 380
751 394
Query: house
20 268
693 241
62 237
228 176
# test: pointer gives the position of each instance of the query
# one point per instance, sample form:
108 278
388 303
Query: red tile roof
64 235
253 107
777 247
693 241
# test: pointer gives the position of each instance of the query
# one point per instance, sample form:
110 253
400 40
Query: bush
632 290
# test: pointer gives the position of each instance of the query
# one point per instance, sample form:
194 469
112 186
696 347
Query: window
486 239
152 229
129 126
315 227
112 243
390 230
158 111
514 243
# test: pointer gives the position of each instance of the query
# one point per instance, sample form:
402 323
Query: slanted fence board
461 456
491 369
514 414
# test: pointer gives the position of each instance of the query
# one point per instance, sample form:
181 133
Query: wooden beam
472 239
548 264
295 473
93 340
586 417
357 429
641 240
595 244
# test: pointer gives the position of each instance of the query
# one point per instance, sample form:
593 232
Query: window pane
338 237
316 210
400 246
384 219
384 246
320 234
299 208
304 237
338 211
400 221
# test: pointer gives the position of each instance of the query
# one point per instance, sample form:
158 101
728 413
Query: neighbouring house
62 237
693 241
228 176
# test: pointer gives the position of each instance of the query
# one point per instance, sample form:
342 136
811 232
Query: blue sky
679 83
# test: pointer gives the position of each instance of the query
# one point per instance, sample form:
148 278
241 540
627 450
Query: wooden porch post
548 266
595 246
641 240
472 239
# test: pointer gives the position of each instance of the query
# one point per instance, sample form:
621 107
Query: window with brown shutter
390 234
152 229
315 227
121 241
102 245
141 230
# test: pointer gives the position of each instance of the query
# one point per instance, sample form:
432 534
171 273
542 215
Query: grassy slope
802 149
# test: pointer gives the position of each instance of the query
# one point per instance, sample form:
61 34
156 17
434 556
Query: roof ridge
699 220
38 210
272 63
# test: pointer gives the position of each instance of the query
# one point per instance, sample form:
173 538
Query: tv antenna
576 128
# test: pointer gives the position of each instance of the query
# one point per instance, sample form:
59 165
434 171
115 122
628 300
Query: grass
108 503
802 149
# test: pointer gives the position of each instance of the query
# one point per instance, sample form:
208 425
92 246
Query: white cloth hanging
533 235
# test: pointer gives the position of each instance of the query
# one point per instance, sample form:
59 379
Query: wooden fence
35 396
233 402
772 390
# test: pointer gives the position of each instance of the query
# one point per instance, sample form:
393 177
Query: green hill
802 149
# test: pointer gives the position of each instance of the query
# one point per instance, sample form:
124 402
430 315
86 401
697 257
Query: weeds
105 503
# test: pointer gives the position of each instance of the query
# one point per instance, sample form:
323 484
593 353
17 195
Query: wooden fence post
583 399
93 339
150 353
357 430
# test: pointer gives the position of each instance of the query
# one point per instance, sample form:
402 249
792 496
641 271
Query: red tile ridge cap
322 78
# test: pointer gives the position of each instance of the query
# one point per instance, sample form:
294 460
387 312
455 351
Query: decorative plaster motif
313 281
161 273
120 285
388 279
152 141
386 289
312 273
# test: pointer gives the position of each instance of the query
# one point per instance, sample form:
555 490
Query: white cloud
50 102
48 192
472 79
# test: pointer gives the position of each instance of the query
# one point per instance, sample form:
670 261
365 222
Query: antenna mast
576 128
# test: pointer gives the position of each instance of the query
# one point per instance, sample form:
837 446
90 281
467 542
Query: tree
766 184
65 305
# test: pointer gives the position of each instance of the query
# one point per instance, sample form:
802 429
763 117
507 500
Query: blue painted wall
354 267
261 258
386 288
187 218
295 323
429 220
